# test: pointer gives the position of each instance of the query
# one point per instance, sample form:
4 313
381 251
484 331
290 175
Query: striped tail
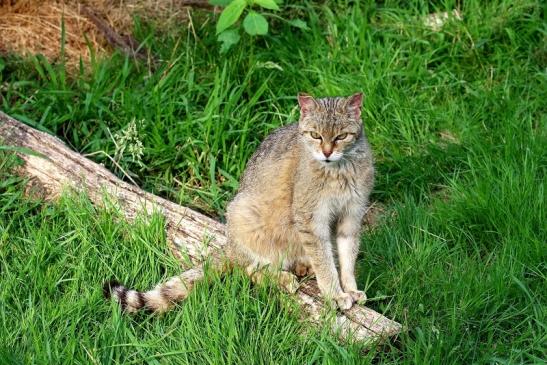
160 299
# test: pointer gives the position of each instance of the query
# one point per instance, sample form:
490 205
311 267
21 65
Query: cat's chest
338 197
333 192
340 187
329 209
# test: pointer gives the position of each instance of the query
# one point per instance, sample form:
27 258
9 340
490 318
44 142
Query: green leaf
230 15
219 2
268 4
228 39
255 24
299 24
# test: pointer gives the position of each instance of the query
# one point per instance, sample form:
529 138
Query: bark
191 234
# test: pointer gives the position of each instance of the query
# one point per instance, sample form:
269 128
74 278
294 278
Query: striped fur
160 299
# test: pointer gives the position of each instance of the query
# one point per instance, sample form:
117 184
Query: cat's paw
302 270
344 301
288 282
358 296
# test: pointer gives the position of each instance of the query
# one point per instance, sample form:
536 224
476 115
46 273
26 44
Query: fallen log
191 234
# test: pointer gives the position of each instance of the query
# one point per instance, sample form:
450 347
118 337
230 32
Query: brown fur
302 197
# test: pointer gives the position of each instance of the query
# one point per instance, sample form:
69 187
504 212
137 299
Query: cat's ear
307 103
354 104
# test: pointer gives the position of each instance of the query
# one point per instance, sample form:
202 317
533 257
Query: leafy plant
254 23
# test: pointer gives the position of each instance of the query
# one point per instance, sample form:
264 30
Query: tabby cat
301 200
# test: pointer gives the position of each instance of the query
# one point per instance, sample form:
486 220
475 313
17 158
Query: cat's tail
160 299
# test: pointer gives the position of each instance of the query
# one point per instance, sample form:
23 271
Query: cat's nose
327 149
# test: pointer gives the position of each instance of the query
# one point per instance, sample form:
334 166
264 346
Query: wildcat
304 191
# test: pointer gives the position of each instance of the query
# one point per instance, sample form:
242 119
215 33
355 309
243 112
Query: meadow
457 121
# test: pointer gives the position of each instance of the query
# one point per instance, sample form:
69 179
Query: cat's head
330 126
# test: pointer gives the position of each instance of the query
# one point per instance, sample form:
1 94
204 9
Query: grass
458 125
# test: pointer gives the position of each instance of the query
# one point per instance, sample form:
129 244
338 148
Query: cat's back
274 158
277 144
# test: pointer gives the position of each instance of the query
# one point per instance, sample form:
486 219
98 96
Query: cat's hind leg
303 268
286 280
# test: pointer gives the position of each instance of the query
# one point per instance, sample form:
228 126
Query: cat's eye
341 136
315 135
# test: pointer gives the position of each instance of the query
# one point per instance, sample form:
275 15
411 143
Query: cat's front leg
318 248
347 241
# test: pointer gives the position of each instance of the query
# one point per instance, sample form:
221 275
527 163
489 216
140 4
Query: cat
306 186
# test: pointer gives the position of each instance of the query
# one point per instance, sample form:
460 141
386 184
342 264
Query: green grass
457 120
